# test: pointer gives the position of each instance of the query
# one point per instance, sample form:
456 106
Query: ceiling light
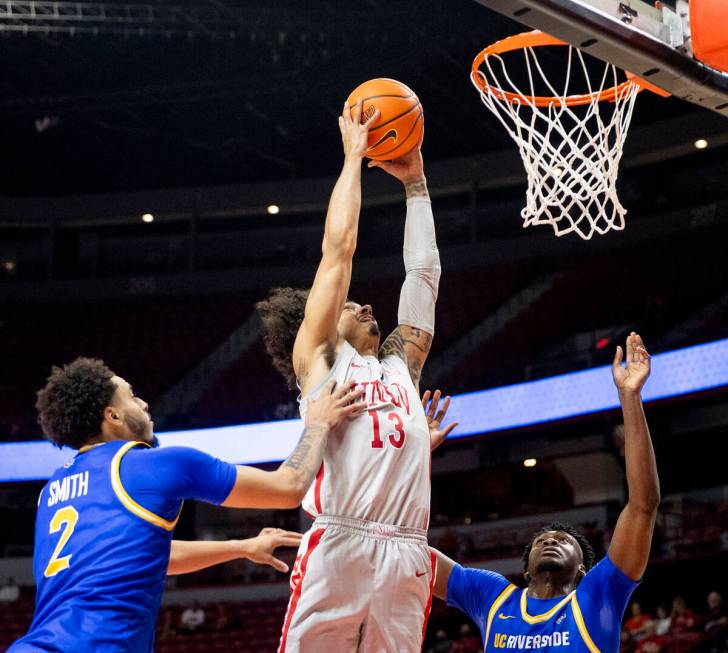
147 217
529 462
274 209
9 266
701 144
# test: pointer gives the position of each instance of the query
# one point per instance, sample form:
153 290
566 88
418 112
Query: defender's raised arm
331 284
630 547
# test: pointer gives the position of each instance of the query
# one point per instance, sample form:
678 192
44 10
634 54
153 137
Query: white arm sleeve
422 264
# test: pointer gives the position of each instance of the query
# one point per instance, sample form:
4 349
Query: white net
571 153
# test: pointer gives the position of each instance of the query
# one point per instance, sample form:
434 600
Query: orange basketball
399 127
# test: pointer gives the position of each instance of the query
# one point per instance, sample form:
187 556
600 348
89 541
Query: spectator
192 619
662 622
682 618
716 623
442 643
639 624
651 644
467 643
10 592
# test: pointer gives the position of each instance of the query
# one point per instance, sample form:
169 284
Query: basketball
401 122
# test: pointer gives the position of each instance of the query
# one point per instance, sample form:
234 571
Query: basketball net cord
571 154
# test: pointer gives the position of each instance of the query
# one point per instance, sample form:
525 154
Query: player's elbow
653 502
292 490
339 245
291 499
648 503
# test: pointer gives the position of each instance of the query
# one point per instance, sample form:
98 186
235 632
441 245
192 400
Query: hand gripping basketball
354 133
408 168
399 127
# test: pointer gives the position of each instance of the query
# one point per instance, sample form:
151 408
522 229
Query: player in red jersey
363 579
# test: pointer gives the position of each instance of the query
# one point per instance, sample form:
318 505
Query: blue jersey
586 620
102 542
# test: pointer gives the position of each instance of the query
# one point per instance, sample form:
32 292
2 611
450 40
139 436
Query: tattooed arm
412 339
286 486
411 345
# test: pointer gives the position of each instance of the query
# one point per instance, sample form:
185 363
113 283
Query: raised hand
435 417
354 133
260 549
333 406
632 376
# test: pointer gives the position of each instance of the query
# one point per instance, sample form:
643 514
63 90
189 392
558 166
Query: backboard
653 42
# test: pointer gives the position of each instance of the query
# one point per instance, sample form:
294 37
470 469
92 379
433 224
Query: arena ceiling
226 91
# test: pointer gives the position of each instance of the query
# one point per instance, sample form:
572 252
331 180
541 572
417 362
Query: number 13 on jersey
396 439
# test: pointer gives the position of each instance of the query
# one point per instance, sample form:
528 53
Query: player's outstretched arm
331 284
412 338
187 557
286 486
630 547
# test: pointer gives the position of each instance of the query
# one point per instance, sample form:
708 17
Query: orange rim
535 39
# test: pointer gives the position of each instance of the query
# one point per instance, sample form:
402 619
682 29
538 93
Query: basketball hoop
570 144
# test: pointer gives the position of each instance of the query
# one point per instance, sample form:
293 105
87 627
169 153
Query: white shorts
359 586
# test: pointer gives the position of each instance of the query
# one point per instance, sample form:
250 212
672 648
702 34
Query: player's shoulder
394 363
487 584
605 568
605 578
166 453
159 459
325 369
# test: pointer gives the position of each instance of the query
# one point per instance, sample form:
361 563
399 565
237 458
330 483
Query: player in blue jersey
103 534
571 604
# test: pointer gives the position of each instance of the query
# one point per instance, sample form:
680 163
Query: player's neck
367 350
549 584
103 438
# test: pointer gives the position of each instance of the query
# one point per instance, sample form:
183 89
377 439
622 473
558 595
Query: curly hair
281 315
587 552
71 405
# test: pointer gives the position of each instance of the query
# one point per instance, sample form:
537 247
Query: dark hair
71 405
587 552
281 315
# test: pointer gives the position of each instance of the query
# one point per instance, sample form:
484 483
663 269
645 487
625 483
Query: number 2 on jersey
395 439
69 517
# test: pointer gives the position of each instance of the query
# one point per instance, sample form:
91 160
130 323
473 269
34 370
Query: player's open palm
435 418
354 132
631 376
260 549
